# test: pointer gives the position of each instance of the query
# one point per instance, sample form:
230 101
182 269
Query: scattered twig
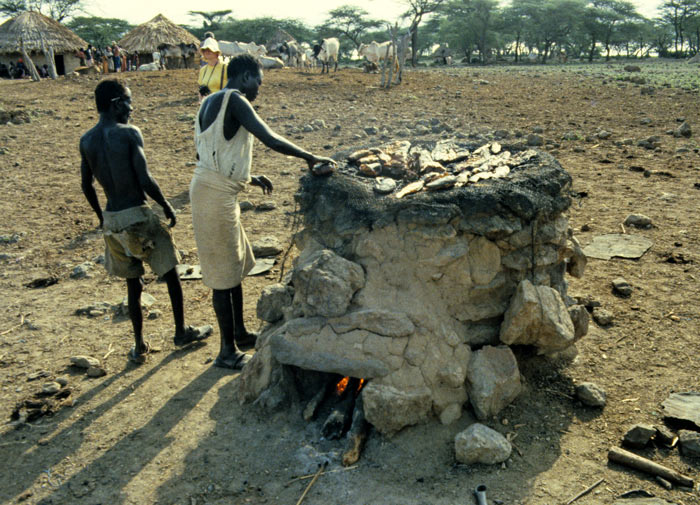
313 481
110 350
622 226
559 393
585 492
21 322
305 477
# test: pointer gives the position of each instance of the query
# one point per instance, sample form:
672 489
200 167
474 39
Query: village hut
38 34
277 39
146 38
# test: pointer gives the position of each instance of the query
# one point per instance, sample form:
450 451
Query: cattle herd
290 53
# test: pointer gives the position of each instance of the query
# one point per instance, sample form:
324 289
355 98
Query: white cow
376 52
327 51
149 66
231 49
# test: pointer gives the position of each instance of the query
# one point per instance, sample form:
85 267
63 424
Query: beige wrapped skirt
224 252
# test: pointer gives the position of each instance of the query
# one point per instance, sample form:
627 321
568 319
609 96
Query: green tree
515 19
260 30
99 32
469 24
56 9
417 10
351 22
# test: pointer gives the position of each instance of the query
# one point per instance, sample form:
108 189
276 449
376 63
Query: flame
361 385
342 384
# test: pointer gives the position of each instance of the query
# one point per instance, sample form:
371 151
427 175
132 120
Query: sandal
194 334
140 358
248 341
237 363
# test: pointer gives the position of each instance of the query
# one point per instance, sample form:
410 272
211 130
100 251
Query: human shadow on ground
54 448
255 456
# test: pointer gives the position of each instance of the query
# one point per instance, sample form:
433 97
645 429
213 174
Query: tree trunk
414 42
50 59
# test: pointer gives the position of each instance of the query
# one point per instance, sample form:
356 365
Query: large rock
267 247
390 410
580 319
273 300
493 380
324 284
591 394
537 316
690 442
381 322
481 444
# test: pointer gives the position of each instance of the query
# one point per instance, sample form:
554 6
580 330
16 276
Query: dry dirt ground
171 432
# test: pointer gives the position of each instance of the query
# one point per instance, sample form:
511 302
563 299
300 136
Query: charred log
356 436
338 421
313 405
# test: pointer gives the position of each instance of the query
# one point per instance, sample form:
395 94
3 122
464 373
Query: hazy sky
310 11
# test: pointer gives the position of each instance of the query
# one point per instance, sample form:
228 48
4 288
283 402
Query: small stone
84 361
689 442
246 205
265 206
37 375
683 130
82 271
371 130
602 316
96 371
591 395
481 444
535 140
384 185
267 247
63 381
638 221
154 314
307 128
99 259
603 134
621 287
639 435
50 388
441 183
665 436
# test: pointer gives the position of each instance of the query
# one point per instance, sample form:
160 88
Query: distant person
81 56
89 56
112 153
108 64
116 56
44 71
212 76
225 128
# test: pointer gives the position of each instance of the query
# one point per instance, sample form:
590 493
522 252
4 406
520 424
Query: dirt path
171 432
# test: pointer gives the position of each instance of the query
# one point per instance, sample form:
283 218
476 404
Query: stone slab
683 406
605 247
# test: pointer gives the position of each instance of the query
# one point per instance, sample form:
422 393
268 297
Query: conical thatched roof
30 27
147 37
278 38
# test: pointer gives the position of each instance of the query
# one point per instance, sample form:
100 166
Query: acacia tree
350 21
417 10
55 9
466 24
99 31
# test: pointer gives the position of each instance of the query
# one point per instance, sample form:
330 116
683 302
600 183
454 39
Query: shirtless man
224 131
112 153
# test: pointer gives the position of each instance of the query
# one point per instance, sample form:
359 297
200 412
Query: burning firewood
315 402
338 421
356 436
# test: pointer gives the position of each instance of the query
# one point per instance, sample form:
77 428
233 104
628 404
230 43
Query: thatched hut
145 38
30 28
279 37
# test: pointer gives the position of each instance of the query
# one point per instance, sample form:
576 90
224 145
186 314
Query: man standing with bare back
112 153
224 132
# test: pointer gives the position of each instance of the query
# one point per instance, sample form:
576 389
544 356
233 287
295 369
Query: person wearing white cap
212 76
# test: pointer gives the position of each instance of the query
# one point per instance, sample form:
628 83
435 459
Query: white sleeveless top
230 158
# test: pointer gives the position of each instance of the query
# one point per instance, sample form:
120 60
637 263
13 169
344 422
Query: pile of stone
447 165
424 296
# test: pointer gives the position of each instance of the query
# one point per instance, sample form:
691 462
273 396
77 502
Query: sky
310 11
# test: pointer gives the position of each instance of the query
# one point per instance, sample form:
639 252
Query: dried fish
411 188
359 154
441 183
370 169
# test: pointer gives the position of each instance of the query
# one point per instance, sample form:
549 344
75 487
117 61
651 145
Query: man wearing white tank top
224 130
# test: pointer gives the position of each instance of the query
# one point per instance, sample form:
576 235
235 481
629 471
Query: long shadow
255 457
115 468
54 448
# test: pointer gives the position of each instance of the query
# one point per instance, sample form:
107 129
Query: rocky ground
171 432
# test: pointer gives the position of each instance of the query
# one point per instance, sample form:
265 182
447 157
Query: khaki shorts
134 236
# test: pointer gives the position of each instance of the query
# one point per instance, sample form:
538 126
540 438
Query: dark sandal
247 342
140 358
193 334
237 363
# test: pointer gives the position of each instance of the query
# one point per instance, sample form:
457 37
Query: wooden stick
320 470
585 492
109 351
631 460
305 477
21 322
356 436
